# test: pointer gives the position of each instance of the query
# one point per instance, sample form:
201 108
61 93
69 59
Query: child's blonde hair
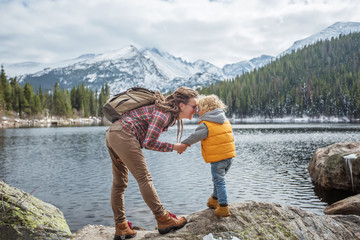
210 102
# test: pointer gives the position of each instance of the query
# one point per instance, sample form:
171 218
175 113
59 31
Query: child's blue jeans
218 172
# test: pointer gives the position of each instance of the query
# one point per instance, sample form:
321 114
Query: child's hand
184 145
180 147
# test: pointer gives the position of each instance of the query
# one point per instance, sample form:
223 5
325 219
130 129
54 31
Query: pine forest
322 79
27 103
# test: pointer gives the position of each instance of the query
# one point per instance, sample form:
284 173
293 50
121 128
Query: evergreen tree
102 100
92 102
320 79
21 101
67 108
42 98
36 106
14 94
73 95
29 99
5 91
58 101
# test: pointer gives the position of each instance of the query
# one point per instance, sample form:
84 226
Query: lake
70 168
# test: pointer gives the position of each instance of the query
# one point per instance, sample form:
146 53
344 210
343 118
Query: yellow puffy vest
219 144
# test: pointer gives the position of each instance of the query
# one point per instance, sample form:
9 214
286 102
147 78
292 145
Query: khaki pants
126 154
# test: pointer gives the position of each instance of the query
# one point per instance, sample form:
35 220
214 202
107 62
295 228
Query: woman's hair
172 101
209 103
171 104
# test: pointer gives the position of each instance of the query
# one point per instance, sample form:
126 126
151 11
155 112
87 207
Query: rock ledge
249 220
23 216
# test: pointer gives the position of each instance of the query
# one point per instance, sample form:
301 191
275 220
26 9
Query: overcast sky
218 31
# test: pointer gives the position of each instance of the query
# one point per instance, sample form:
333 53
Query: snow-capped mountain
335 30
153 68
232 70
21 68
176 67
18 69
239 68
126 68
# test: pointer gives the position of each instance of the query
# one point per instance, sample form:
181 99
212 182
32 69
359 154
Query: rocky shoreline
337 167
11 122
15 122
23 216
249 220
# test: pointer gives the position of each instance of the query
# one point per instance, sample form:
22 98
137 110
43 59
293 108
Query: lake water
69 167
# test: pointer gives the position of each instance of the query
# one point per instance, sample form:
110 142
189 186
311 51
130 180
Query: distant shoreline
10 122
288 119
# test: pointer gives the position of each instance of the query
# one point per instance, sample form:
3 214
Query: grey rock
249 220
350 205
23 216
329 169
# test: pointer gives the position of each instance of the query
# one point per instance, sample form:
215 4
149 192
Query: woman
137 129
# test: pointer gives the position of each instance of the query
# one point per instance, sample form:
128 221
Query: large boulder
337 167
249 220
350 205
23 216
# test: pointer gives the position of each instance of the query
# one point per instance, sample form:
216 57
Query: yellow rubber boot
212 202
222 211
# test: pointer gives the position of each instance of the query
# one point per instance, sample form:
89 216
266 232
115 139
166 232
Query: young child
217 148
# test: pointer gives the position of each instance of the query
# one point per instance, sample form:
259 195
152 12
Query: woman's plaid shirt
146 123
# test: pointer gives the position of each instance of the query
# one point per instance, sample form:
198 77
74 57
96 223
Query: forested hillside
27 102
319 80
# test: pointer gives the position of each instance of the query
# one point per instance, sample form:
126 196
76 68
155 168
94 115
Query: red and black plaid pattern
146 123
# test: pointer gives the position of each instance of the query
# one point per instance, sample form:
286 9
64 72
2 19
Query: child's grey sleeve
201 132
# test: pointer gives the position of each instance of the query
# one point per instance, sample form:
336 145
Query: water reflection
70 168
330 196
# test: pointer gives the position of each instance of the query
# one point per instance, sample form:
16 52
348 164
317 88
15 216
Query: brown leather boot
212 202
124 230
222 211
168 222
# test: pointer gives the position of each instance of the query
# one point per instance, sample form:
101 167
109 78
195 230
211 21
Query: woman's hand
180 147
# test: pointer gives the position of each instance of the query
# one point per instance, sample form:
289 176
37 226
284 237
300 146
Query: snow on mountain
239 68
171 66
150 67
232 70
17 69
335 30
128 67
176 67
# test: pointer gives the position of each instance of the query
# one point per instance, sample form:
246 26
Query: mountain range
150 67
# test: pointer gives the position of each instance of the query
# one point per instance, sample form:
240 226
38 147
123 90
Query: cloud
219 31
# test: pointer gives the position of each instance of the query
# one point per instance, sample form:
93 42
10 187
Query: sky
217 31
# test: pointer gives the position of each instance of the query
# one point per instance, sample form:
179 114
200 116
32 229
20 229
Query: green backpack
123 102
